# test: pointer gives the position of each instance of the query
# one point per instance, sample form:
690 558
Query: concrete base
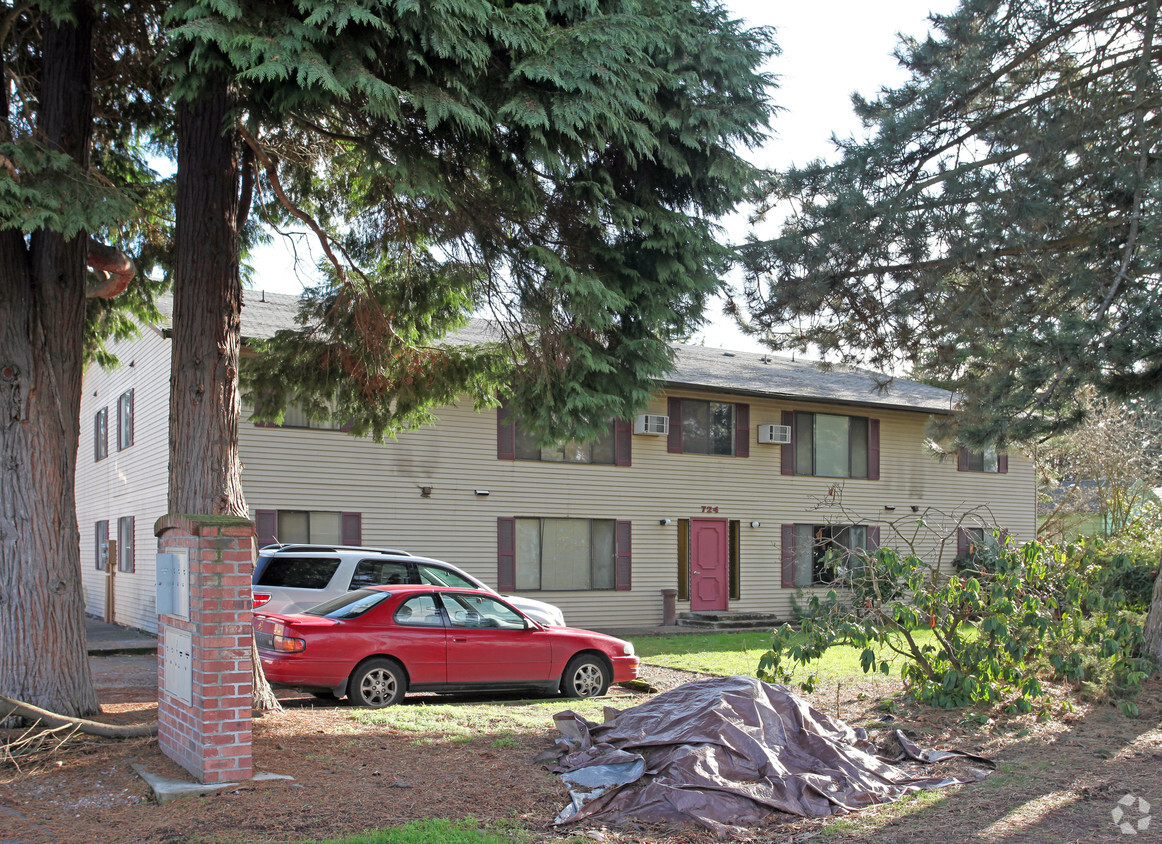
165 790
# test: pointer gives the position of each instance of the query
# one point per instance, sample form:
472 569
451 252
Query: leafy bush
1002 623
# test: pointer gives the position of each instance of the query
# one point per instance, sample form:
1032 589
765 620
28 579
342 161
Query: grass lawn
727 654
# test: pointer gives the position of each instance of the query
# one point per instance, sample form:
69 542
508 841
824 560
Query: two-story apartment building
766 463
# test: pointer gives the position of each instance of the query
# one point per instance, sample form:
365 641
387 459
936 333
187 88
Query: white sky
830 49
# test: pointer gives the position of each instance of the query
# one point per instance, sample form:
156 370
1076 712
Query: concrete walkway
107 639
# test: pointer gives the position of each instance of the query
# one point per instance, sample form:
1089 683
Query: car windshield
349 605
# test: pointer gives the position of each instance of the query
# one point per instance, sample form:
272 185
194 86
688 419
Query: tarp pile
728 753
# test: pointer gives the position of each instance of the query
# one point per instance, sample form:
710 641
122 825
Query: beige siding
126 483
325 470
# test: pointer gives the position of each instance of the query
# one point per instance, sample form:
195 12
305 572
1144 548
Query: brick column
204 717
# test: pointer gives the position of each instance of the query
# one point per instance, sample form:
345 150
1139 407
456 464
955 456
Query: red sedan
375 644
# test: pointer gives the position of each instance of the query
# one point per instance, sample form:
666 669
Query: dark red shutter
351 529
873 538
788 450
963 542
622 441
674 411
505 555
962 460
623 575
742 430
1002 463
266 526
788 556
873 449
505 434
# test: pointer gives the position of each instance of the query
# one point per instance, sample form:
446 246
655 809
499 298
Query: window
438 576
612 448
350 604
101 544
562 554
814 555
295 416
308 527
989 460
125 421
299 572
600 451
700 426
480 611
420 611
125 555
831 446
379 573
101 434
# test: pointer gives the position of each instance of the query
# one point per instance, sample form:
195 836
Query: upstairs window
828 445
701 426
989 460
611 449
101 434
125 420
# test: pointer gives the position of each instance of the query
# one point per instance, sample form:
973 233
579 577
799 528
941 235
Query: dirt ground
1057 781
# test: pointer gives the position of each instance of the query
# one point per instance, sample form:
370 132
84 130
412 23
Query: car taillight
260 599
283 643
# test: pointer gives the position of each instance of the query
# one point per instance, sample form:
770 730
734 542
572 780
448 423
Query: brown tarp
727 753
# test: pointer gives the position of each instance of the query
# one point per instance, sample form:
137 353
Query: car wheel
585 676
377 683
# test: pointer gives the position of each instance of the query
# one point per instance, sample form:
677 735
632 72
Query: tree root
10 707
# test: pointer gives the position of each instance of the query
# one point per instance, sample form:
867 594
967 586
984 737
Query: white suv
291 578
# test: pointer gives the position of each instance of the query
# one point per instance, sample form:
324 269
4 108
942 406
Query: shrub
1005 620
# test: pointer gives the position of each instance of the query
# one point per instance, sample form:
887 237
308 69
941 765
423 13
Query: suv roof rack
334 548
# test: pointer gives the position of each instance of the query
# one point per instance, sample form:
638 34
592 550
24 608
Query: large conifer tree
999 228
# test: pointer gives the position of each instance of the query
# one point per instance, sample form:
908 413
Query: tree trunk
43 658
205 474
1154 622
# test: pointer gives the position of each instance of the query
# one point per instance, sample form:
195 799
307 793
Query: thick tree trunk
205 475
1154 622
43 652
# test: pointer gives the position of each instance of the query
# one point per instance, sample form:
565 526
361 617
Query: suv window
379 573
436 576
299 572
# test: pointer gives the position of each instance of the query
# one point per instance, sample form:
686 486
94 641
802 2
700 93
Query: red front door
708 578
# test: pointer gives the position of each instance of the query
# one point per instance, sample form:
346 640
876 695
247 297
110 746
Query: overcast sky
830 48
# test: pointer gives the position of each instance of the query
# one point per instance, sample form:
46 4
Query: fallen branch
10 707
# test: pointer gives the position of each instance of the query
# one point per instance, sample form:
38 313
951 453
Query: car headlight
627 648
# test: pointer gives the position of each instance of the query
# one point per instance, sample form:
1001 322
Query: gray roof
695 367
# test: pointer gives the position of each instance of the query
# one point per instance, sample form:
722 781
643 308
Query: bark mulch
1058 779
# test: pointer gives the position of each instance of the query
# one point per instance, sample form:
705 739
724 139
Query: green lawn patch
728 654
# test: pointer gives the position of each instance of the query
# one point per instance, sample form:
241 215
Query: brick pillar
204 716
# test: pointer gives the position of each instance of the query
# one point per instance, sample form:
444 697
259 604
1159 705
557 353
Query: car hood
540 610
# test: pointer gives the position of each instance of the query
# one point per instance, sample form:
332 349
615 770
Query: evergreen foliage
557 165
999 227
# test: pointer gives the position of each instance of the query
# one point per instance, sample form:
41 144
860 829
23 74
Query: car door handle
454 639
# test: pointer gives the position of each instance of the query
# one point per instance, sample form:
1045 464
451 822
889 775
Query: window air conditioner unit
652 424
777 434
